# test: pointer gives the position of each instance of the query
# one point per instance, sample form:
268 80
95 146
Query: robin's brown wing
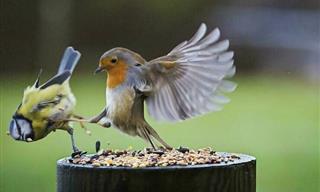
189 81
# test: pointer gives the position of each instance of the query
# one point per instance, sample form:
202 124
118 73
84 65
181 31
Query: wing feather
190 80
57 79
69 60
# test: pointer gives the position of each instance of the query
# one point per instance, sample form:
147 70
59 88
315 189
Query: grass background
275 119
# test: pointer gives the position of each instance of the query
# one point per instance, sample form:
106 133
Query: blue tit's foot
78 153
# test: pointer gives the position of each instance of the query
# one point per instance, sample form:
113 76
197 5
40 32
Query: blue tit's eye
114 60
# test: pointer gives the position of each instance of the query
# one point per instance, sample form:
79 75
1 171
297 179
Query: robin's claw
106 124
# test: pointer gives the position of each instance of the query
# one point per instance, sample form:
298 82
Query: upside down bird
187 82
45 108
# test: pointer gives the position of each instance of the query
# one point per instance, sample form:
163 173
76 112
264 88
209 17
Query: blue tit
45 108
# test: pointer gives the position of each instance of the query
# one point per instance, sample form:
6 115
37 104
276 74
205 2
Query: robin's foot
105 124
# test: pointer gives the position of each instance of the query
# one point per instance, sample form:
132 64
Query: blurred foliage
34 32
273 119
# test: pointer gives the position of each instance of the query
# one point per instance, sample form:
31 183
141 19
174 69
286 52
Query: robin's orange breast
117 74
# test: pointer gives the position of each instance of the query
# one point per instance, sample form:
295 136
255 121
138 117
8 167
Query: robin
187 82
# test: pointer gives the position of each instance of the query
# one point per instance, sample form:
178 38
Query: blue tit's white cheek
25 128
13 129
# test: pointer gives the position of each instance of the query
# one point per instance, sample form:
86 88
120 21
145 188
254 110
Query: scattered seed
95 164
118 153
94 157
98 144
151 158
183 149
158 152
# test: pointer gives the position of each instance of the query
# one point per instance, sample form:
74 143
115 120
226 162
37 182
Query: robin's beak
98 70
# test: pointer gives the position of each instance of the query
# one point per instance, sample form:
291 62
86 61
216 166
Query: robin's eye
113 60
137 64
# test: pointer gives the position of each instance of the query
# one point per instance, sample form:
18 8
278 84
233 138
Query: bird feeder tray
238 175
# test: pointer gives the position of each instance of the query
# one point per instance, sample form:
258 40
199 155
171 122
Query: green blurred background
274 113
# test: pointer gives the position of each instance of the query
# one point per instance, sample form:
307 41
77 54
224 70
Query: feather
45 107
58 79
36 83
193 83
69 60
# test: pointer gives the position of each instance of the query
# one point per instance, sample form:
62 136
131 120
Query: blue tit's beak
20 129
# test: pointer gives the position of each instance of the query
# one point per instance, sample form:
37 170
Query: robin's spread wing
189 81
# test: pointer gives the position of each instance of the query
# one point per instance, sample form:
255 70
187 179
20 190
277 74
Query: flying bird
47 107
189 81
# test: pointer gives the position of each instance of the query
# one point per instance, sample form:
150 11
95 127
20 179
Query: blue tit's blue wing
69 60
58 79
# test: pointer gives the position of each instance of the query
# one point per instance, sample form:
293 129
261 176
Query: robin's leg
151 143
96 119
82 124
158 138
76 120
145 134
105 125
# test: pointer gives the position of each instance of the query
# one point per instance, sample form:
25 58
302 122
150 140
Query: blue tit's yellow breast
56 111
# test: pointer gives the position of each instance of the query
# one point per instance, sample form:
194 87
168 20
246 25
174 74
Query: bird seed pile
154 158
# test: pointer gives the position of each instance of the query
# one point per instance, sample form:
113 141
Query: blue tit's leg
70 131
76 151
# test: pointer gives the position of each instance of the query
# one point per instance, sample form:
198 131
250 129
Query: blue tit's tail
69 60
